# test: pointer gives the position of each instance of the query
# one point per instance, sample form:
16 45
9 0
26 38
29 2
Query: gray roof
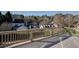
21 28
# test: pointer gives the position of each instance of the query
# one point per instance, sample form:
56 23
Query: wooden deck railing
11 37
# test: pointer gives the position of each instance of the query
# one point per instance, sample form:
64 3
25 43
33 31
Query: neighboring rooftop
18 21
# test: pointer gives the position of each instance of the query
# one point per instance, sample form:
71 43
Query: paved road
72 42
45 43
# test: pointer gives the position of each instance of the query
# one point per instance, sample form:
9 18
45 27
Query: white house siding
41 26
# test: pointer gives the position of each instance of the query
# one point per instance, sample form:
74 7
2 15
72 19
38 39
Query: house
53 25
18 22
35 25
32 24
77 25
41 26
18 18
21 28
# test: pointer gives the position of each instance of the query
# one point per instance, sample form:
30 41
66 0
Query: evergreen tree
8 17
1 18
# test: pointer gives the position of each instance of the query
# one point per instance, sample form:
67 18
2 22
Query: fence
11 37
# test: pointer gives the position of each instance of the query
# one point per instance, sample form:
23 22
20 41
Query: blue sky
39 13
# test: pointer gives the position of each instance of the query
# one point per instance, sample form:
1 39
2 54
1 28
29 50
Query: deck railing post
8 38
2 39
50 32
31 36
5 39
13 37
